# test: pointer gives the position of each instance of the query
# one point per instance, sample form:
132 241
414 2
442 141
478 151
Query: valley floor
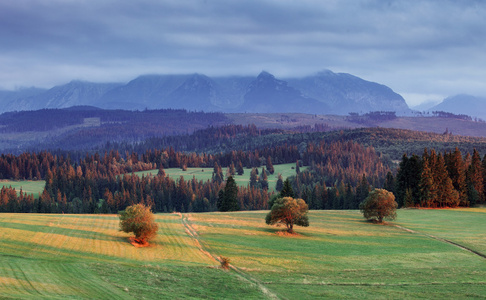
338 256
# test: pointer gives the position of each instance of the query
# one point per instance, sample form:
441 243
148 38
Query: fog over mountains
463 104
323 93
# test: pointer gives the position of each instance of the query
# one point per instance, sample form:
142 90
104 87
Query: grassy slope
243 180
27 186
36 187
338 256
341 256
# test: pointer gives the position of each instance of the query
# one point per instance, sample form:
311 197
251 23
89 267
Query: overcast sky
421 49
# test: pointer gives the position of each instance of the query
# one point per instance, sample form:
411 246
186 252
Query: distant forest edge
91 129
82 175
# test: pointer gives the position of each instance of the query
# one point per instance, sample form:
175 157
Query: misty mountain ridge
323 93
463 104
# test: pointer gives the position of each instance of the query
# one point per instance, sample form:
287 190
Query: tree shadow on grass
281 231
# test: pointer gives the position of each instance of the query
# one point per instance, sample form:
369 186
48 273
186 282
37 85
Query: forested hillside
340 173
89 128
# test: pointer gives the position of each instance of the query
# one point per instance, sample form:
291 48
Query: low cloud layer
415 47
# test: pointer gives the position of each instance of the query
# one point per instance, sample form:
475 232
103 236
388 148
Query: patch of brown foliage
225 262
138 243
286 233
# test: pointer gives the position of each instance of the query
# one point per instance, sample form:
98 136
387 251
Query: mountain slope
463 104
63 96
323 93
345 93
267 94
10 100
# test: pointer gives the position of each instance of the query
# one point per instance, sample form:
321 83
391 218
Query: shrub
224 262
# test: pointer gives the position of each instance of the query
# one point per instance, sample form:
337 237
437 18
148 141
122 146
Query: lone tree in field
380 204
288 211
139 220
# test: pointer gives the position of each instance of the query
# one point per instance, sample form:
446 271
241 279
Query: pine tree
447 196
239 168
408 177
475 180
228 197
253 178
457 172
279 185
362 191
263 179
270 167
428 189
389 184
287 190
484 176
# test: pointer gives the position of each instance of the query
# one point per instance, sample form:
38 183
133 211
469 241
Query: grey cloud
412 46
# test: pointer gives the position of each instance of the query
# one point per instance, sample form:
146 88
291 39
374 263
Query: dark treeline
341 171
441 180
164 120
390 142
371 117
340 175
88 129
96 184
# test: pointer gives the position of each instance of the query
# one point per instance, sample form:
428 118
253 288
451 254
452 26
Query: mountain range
322 93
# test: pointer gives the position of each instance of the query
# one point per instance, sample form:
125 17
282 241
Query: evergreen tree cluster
441 180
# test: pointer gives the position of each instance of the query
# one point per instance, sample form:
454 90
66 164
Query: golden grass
88 237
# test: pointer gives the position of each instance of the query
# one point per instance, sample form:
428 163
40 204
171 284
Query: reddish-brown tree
139 220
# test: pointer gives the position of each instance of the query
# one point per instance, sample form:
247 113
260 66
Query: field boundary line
192 232
443 240
379 284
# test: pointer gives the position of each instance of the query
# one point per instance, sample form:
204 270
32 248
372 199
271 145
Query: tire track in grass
192 232
443 240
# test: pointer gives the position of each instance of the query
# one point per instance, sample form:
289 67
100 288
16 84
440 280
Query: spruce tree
475 180
253 178
428 189
447 196
263 179
228 197
362 191
287 190
457 172
270 167
279 185
484 176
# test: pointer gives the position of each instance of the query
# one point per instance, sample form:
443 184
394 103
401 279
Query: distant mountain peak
325 92
265 75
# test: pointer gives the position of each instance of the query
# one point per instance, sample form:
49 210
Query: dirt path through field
192 232
443 240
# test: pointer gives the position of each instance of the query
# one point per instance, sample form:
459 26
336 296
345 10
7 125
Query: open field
338 256
205 174
27 186
36 187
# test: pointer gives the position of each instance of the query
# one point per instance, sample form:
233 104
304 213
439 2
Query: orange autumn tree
139 220
288 211
379 205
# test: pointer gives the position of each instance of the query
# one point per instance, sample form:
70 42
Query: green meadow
204 174
339 256
36 187
27 186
